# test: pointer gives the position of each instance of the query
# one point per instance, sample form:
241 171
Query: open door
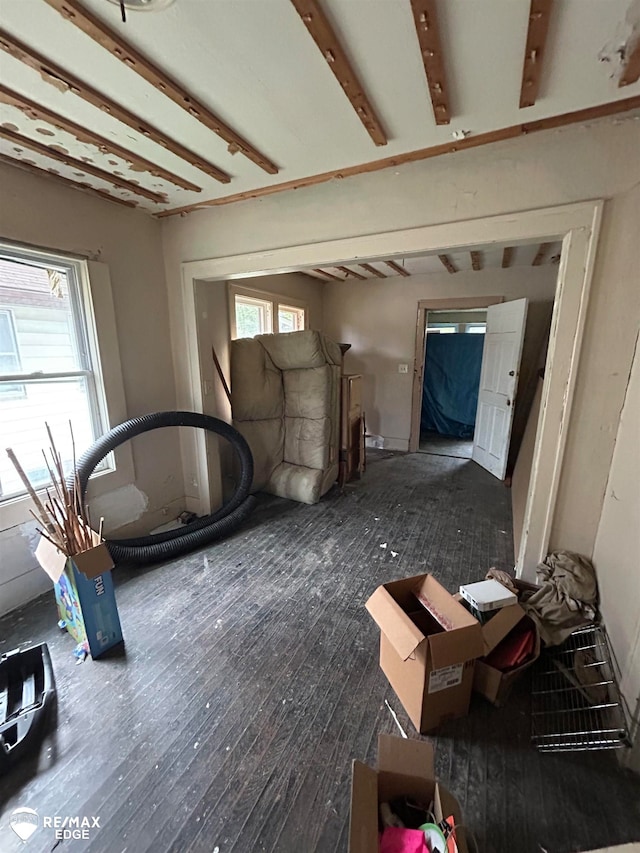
498 383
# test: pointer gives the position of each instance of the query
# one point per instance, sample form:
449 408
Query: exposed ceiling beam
373 270
631 68
539 15
445 260
542 251
329 275
84 134
507 256
352 273
65 82
397 268
476 261
524 129
107 38
426 20
47 173
323 34
80 165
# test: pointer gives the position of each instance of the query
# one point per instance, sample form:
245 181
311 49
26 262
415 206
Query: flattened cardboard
405 768
417 641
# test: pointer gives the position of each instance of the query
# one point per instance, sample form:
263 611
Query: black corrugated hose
172 543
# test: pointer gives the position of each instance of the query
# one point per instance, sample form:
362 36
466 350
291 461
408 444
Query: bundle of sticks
63 517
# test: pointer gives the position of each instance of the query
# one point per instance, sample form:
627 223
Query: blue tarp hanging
451 380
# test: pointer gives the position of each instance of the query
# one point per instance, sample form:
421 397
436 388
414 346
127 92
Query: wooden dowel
27 484
221 374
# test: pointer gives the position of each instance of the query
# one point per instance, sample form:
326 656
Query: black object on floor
27 693
252 680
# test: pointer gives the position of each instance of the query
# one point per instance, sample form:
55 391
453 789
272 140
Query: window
253 316
476 328
49 371
256 313
9 355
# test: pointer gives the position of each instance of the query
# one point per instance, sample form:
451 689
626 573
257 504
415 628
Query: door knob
512 373
508 402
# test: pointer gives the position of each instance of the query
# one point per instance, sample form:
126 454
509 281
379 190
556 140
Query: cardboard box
492 683
405 768
84 594
428 645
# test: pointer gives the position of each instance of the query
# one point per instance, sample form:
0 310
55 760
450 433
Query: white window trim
275 299
95 292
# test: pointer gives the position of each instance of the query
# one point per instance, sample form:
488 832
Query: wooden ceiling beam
513 132
79 165
631 67
540 255
47 173
476 261
65 82
373 270
446 262
323 34
397 268
352 273
329 275
507 257
86 135
426 21
539 15
110 40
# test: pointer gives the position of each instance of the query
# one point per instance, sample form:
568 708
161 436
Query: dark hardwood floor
250 681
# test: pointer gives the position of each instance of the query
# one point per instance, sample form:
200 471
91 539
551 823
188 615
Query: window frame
276 300
97 339
16 390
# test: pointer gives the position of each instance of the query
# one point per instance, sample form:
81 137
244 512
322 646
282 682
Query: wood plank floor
250 681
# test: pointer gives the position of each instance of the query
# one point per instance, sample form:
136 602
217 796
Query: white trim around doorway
577 225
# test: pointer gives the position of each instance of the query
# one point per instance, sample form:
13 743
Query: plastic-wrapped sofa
285 401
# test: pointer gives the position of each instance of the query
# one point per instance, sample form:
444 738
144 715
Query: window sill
16 511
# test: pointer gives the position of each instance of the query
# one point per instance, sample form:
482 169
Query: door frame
577 225
424 306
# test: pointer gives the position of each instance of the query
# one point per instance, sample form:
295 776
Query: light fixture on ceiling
141 6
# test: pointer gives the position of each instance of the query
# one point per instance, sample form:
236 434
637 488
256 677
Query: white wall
41 212
378 318
617 550
595 160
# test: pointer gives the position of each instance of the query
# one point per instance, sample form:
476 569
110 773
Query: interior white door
503 341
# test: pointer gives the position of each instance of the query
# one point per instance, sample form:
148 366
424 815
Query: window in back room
257 313
49 371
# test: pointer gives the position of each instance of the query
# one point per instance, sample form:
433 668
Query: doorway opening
454 343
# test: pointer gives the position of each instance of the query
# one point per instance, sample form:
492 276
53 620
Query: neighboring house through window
255 312
49 369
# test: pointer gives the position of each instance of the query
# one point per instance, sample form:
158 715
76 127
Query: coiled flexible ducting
172 543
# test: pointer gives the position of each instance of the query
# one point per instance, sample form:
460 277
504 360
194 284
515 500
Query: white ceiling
255 65
490 258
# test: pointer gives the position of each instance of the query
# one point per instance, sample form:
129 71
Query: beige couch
285 401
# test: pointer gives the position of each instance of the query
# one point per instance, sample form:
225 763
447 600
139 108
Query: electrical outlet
403 368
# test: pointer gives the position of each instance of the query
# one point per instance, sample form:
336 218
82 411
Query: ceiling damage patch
616 52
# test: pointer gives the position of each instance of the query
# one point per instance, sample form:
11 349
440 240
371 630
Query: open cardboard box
428 644
84 593
492 683
405 768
